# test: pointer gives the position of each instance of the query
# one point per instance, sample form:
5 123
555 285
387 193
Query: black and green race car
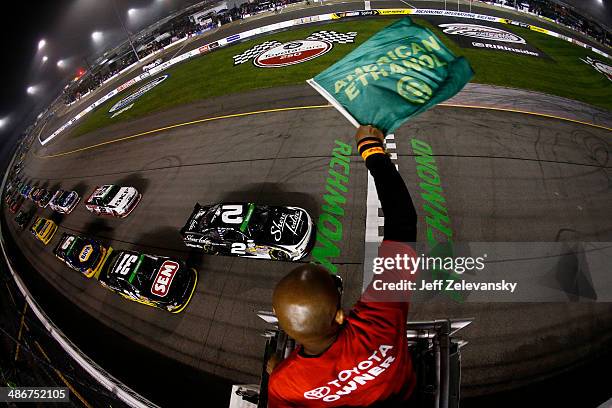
162 282
250 230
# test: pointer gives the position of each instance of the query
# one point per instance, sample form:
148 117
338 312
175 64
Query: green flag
396 74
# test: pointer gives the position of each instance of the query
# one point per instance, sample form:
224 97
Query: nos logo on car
163 280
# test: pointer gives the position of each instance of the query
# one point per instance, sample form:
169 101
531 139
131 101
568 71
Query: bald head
306 303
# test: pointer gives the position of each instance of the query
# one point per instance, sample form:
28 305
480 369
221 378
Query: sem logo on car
163 280
482 32
85 253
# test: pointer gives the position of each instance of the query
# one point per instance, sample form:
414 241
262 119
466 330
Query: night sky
67 25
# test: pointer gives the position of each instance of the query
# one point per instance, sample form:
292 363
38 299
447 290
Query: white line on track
374 222
408 4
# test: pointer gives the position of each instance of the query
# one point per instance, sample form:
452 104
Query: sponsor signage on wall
274 54
487 37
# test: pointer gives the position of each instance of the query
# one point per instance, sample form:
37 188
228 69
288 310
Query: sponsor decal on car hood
290 223
124 196
85 253
163 279
274 54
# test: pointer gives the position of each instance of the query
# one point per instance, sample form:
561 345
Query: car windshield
143 273
41 226
108 196
258 223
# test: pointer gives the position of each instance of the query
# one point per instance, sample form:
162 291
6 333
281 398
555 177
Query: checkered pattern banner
254 52
333 37
329 36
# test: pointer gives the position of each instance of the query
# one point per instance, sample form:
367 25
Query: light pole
125 29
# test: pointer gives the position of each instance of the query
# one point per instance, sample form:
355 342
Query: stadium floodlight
97 36
31 90
41 44
44 59
3 122
61 64
132 12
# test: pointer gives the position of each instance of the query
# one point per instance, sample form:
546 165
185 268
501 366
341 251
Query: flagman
360 358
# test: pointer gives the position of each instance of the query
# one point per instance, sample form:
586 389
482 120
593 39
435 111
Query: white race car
153 64
113 200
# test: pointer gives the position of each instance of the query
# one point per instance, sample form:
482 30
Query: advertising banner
274 54
399 72
599 66
488 36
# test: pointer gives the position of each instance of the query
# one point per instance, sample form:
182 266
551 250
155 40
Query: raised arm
398 209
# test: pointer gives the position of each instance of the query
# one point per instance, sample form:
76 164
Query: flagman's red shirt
368 363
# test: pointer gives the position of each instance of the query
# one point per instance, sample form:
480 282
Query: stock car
113 200
64 201
249 230
35 194
43 229
10 197
44 198
24 217
157 281
27 190
83 254
15 203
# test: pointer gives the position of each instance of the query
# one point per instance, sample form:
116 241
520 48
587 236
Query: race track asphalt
507 176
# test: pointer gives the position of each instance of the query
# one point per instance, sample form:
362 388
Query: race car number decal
231 214
240 248
126 263
163 280
67 243
85 253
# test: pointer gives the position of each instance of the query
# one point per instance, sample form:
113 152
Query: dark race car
35 194
44 198
156 281
64 201
15 203
250 230
83 254
24 217
26 190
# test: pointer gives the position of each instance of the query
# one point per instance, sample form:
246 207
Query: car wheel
278 255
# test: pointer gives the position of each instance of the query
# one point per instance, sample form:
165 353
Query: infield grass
214 74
